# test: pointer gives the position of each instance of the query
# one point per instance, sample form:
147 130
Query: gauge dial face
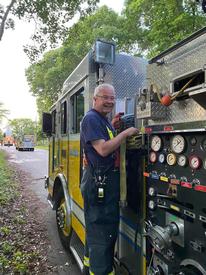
203 145
194 162
178 144
171 159
156 143
193 141
182 160
151 205
161 158
204 163
151 191
152 157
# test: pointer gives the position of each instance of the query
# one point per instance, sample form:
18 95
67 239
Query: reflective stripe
111 273
86 261
110 133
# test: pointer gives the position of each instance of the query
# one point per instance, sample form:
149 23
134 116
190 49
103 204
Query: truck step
77 249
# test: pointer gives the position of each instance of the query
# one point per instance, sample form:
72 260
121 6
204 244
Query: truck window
64 117
77 105
54 122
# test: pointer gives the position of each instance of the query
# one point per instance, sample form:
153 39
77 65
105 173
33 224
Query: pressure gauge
178 144
152 157
161 158
182 160
193 141
194 162
151 205
204 163
203 144
151 191
156 143
171 159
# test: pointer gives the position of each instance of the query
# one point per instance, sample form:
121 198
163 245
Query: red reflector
174 181
148 130
201 188
145 174
168 128
186 184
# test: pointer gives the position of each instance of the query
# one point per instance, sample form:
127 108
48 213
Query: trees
155 25
50 18
3 112
21 126
46 77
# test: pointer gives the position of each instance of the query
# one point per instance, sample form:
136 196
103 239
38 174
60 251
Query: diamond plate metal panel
188 58
127 75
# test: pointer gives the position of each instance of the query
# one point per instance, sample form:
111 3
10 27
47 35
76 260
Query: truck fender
61 184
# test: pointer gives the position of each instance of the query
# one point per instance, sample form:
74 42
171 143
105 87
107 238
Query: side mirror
47 124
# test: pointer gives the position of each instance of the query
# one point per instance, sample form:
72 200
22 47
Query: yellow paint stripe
78 228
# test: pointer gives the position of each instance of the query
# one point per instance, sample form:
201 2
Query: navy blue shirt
94 127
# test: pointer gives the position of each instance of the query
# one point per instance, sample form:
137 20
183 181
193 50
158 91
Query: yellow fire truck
163 218
62 125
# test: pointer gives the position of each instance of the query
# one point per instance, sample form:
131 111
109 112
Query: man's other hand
116 121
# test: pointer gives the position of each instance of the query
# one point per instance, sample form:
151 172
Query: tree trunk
2 25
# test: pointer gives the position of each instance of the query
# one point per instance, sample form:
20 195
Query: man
100 181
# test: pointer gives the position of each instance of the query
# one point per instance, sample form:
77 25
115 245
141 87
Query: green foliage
3 112
50 17
155 25
46 77
20 126
7 248
7 186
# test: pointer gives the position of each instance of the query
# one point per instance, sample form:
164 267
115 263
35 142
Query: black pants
101 221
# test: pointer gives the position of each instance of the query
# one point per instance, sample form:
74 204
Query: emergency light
104 52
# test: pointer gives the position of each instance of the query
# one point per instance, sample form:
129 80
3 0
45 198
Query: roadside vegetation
22 239
44 147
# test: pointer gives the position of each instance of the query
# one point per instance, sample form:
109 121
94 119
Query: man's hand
116 121
131 132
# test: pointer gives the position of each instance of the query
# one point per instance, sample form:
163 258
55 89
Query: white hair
103 87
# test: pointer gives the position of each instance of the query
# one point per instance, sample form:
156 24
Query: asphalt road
36 164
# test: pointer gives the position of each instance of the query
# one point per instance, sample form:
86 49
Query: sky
14 90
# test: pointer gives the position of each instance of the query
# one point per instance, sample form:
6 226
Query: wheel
63 220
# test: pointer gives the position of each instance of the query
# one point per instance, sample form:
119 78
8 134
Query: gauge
178 144
156 143
151 191
153 157
161 158
203 144
171 159
194 162
151 205
182 160
193 141
204 163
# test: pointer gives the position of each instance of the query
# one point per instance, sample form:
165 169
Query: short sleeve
92 129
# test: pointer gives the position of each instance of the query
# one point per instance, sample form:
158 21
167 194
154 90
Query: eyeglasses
106 97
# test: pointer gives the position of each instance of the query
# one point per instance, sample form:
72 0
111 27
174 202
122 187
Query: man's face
104 101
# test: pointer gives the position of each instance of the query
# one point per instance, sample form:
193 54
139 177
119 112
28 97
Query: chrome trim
195 264
66 196
77 258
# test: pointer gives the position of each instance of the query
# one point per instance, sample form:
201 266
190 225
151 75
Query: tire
64 230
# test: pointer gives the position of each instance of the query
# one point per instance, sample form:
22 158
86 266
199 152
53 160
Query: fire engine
62 125
163 211
172 112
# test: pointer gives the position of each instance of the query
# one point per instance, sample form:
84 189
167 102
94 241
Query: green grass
14 258
7 184
44 147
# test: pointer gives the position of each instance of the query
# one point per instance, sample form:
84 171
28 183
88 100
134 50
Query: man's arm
104 148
